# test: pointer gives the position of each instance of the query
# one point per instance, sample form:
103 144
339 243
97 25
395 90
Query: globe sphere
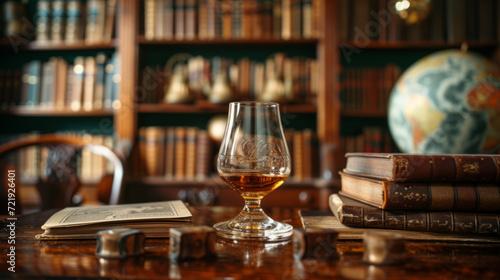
447 102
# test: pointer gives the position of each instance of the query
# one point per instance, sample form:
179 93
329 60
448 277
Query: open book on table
153 218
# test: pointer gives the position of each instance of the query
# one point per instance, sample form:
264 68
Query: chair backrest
61 183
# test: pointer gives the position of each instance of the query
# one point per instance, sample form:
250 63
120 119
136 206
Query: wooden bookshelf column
328 105
125 117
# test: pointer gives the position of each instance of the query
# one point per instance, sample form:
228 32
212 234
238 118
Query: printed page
165 210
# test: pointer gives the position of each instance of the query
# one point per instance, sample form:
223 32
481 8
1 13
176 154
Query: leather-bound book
298 158
153 150
357 214
180 152
191 135
191 19
203 155
179 19
466 197
425 167
169 152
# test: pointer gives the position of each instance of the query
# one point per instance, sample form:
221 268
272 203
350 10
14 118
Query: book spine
158 20
446 168
442 197
58 20
77 87
149 19
43 21
89 82
442 222
169 152
34 83
203 155
202 19
180 152
74 28
191 19
110 20
191 139
100 81
153 150
168 20
179 20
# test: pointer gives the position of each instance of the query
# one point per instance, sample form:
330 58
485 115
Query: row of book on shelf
296 78
372 139
71 21
368 89
452 21
88 83
31 161
444 193
189 153
229 19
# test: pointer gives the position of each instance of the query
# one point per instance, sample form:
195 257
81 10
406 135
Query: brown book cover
180 152
169 152
296 18
286 19
60 82
202 19
425 167
109 23
203 154
191 139
298 158
213 16
179 19
455 21
153 151
191 18
168 19
226 19
465 197
158 19
357 214
277 18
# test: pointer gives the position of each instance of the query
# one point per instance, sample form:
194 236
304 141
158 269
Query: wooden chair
60 184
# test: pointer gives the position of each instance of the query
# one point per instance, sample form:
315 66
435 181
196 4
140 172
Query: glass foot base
257 227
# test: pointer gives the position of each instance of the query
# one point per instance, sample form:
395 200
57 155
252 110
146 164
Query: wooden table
244 260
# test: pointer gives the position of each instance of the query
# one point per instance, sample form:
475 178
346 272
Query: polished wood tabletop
35 259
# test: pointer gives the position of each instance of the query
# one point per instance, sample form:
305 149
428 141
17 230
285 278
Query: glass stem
252 205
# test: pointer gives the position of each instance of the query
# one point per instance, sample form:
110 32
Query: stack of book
230 19
458 194
91 21
89 83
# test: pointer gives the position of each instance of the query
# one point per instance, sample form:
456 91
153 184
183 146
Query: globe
447 102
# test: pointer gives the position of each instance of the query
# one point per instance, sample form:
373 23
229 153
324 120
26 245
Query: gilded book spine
447 168
442 197
444 222
356 214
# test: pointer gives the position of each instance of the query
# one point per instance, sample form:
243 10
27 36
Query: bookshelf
327 115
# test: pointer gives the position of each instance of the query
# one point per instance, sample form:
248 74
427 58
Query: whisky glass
253 160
